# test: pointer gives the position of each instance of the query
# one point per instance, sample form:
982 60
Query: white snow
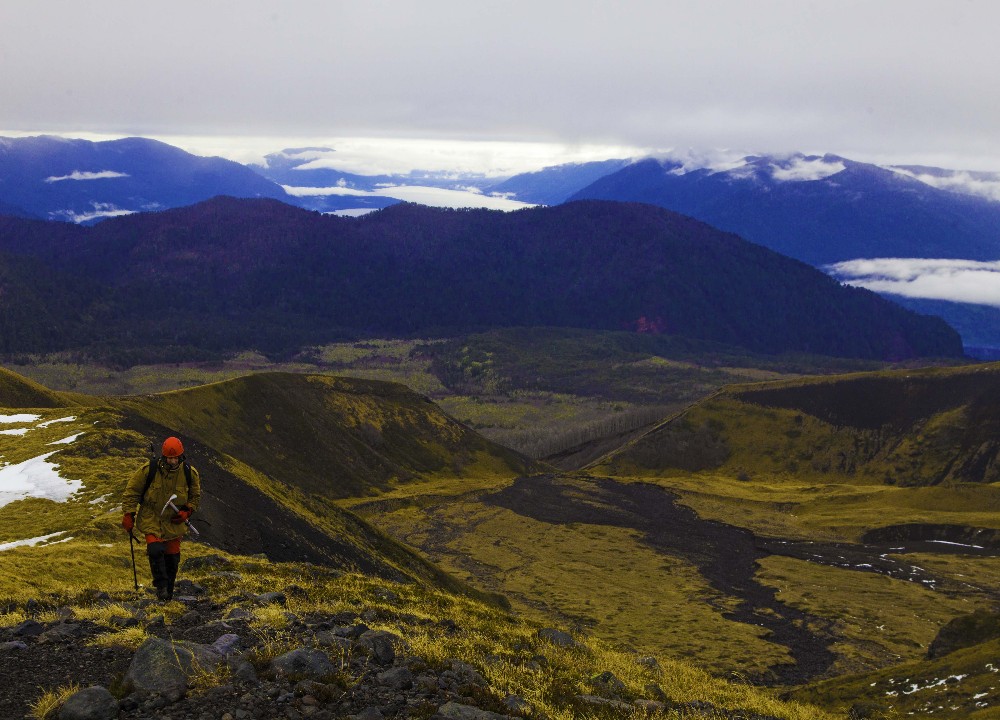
22 418
66 440
15 431
45 424
35 477
35 541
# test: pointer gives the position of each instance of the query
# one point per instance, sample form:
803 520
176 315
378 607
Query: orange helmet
172 447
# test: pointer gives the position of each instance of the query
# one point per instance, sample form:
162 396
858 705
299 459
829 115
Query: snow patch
15 431
66 440
45 424
36 477
22 418
41 540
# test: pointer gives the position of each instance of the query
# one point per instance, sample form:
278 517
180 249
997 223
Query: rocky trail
211 662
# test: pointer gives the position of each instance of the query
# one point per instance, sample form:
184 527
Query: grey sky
890 80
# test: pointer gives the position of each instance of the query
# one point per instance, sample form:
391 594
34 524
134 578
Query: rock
455 711
122 621
186 587
371 713
607 682
328 639
557 637
206 562
227 644
238 613
226 575
61 632
599 702
399 678
380 644
466 674
303 664
650 662
271 598
241 670
93 703
161 666
29 628
386 595
12 646
516 703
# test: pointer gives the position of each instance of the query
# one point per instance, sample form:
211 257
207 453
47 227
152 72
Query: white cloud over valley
961 281
83 175
435 197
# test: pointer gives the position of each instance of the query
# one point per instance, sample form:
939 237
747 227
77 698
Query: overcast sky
513 84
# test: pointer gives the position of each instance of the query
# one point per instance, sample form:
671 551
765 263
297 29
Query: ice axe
170 504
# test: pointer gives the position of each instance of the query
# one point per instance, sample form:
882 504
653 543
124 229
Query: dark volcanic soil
724 554
727 556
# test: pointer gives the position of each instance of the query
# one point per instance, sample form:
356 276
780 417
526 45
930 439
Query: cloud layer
962 281
899 78
435 197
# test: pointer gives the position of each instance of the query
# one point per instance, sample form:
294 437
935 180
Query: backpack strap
152 474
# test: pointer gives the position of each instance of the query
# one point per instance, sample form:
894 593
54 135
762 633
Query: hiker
149 491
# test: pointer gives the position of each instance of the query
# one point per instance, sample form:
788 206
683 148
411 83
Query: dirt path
725 555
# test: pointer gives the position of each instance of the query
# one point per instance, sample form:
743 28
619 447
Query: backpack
153 464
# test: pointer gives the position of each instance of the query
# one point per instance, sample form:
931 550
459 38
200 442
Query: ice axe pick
170 504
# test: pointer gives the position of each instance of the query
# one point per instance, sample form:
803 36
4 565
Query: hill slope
230 273
906 428
274 450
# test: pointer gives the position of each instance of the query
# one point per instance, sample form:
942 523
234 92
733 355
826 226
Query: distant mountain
817 209
81 181
554 185
229 274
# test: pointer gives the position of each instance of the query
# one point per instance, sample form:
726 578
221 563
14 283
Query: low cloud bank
985 185
85 175
961 281
434 197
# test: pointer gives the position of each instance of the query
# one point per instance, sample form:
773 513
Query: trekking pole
131 545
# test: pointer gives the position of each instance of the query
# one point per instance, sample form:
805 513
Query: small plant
129 638
46 706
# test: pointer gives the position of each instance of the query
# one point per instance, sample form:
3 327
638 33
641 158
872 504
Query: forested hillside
228 274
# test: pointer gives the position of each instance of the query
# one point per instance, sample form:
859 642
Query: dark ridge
229 274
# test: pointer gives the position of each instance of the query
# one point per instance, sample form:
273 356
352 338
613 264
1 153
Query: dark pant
163 566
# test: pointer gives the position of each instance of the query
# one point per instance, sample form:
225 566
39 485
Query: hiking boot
172 562
162 595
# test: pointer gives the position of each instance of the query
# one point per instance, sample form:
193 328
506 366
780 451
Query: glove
128 521
182 515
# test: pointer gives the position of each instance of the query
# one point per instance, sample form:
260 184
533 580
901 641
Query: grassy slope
765 464
93 555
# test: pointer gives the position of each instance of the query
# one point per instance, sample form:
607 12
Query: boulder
164 667
381 645
303 664
93 703
557 637
399 678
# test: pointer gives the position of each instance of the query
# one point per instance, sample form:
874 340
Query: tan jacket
167 482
